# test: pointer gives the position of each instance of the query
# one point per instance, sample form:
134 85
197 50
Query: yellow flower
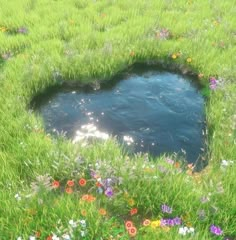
189 60
131 201
3 29
174 56
155 224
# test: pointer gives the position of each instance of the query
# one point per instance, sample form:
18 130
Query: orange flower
37 234
98 184
88 198
85 197
133 211
102 211
146 222
132 53
177 164
70 183
82 182
69 190
132 231
55 184
83 212
128 224
49 238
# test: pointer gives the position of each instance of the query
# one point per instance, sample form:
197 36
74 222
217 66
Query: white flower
191 230
82 233
72 223
55 237
83 223
66 236
19 238
18 197
182 231
226 163
32 238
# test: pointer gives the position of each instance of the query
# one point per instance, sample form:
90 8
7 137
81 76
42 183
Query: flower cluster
186 230
132 230
216 230
171 221
213 83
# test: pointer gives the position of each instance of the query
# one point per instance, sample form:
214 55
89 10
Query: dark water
149 111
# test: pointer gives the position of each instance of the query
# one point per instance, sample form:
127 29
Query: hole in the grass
148 110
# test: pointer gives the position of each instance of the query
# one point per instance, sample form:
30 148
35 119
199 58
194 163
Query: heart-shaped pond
148 110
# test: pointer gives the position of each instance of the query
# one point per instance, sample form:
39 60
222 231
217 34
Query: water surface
148 110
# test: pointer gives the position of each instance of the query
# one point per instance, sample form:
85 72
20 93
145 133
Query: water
148 110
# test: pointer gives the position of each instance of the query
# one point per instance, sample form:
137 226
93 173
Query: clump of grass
46 190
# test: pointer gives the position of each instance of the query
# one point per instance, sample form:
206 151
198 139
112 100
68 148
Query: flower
166 209
189 60
109 192
83 212
146 222
131 201
132 231
155 224
37 234
70 183
69 190
72 223
49 237
23 30
133 211
132 54
173 56
200 75
82 182
185 230
55 184
102 211
88 198
18 197
216 230
83 223
66 236
128 224
32 238
19 238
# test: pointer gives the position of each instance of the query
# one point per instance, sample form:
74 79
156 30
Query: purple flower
109 192
213 83
216 230
166 209
23 30
170 161
177 220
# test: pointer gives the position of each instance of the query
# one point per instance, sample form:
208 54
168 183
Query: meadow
53 189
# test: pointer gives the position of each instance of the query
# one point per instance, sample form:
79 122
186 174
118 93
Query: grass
44 43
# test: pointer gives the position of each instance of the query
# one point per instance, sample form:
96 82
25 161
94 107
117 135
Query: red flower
133 211
55 184
70 183
82 182
132 231
49 238
128 224
69 190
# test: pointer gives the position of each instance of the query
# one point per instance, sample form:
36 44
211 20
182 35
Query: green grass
43 43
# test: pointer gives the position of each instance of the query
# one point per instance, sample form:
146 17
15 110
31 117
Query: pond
148 110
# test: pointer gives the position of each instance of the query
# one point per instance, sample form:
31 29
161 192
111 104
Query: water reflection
147 110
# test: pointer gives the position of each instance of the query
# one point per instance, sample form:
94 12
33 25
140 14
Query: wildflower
131 201
19 238
173 56
82 233
189 60
83 212
32 238
205 199
70 183
200 75
132 54
146 222
177 220
69 190
170 161
18 197
82 223
55 184
109 192
132 231
166 209
177 165
185 230
82 182
22 30
55 237
49 238
128 224
216 230
66 236
3 29
133 211
155 224
102 211
37 234
72 223
226 163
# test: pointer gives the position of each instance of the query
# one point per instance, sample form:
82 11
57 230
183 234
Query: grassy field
52 189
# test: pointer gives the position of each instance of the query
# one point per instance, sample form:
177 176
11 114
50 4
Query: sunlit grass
43 43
